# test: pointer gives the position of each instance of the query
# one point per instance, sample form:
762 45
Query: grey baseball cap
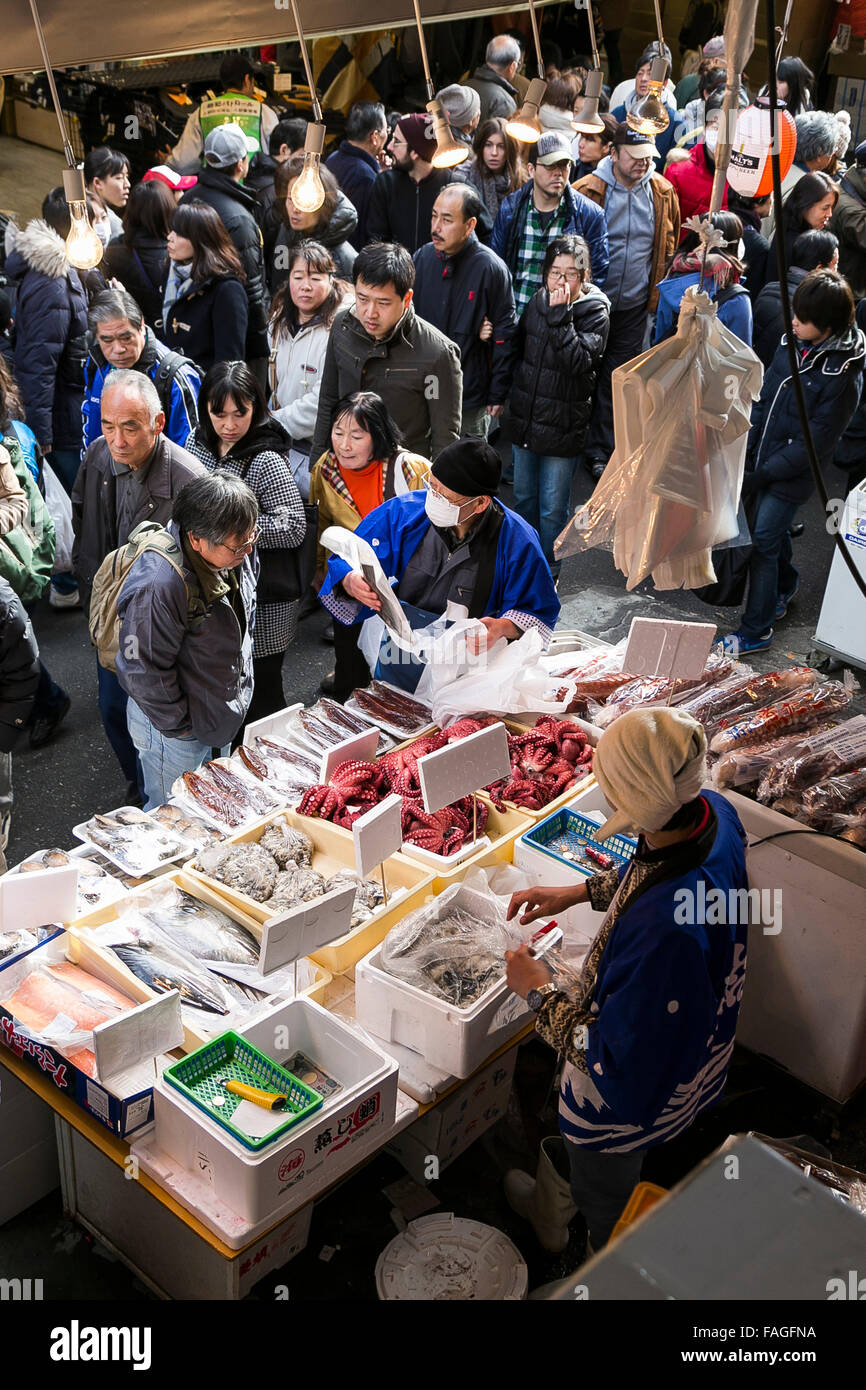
552 148
225 146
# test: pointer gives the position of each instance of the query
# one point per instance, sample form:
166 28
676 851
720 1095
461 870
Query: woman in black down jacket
560 342
204 303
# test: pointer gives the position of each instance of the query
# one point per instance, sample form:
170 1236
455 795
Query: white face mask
440 511
711 138
103 231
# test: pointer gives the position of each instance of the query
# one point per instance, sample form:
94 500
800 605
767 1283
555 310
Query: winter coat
850 454
179 397
27 550
734 306
50 324
94 502
692 179
498 96
849 224
554 118
769 321
355 171
416 371
584 219
19 667
400 208
297 366
404 473
667 223
558 354
455 294
142 270
756 254
209 324
832 377
334 237
197 682
237 207
260 458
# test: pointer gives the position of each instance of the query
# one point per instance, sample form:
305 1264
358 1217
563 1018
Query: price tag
460 768
359 748
378 834
38 899
669 649
145 1032
305 928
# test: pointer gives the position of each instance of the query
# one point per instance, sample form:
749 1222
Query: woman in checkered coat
235 431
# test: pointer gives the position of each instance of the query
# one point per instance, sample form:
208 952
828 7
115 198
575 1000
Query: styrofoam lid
448 1257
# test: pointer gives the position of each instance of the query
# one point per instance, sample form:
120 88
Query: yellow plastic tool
269 1100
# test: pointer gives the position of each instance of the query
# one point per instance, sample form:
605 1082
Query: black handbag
286 572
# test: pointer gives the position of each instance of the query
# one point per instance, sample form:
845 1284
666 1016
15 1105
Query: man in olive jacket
381 345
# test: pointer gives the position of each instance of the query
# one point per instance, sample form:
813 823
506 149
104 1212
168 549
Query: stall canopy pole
64 134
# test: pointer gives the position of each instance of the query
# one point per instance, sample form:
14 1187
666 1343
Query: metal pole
67 147
317 110
596 61
424 59
537 39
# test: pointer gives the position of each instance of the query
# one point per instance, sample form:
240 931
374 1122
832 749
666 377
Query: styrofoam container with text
455 1040
310 1157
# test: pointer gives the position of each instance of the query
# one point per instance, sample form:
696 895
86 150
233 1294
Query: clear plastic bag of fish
154 958
133 840
194 927
453 947
59 1003
193 828
96 887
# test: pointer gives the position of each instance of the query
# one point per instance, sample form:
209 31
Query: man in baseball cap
642 217
402 198
543 209
226 146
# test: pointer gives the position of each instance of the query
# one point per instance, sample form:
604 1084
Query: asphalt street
76 774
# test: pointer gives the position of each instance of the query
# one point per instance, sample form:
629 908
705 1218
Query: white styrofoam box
311 1156
450 1127
804 1004
455 1040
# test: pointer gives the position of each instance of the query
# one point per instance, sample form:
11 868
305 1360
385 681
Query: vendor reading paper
648 1033
452 541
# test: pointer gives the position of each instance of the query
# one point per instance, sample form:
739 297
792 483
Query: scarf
719 268
178 284
492 188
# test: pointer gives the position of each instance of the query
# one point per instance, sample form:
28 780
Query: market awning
88 32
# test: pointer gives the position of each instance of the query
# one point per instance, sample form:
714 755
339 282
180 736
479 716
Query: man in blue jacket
122 341
831 350
464 290
663 139
543 209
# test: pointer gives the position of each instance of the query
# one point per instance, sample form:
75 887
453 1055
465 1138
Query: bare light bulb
524 125
650 116
308 192
84 250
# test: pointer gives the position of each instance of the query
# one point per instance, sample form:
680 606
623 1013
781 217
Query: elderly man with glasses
185 657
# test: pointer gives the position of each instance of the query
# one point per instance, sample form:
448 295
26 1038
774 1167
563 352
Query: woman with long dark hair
498 168
364 467
106 174
204 303
795 84
236 432
139 259
301 316
808 208
722 275
331 226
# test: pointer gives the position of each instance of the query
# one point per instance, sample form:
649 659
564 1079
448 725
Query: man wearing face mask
454 542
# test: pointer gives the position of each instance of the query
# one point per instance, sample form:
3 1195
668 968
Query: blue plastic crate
562 834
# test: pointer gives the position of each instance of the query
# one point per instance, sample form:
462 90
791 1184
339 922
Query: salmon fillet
60 989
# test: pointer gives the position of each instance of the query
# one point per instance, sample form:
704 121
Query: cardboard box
849 94
450 1127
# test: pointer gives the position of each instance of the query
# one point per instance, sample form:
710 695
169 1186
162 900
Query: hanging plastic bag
60 510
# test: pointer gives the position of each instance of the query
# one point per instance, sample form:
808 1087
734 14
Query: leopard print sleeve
601 888
562 1024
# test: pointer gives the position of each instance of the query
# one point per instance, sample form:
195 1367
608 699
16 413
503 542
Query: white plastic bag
60 510
507 678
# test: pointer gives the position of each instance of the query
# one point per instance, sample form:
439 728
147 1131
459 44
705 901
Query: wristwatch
536 997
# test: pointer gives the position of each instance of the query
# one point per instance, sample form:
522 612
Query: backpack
104 621
169 371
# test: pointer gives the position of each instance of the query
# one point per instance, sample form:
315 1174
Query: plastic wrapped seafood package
747 767
803 709
58 1003
281 764
197 831
391 709
325 724
227 794
645 691
96 886
133 840
816 758
739 694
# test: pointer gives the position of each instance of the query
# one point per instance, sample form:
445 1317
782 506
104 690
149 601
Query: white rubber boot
545 1200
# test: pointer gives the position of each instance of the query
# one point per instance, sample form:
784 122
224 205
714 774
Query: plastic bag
838 794
816 757
802 710
60 510
735 697
742 767
507 678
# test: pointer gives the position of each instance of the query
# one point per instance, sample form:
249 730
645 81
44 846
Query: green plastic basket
231 1058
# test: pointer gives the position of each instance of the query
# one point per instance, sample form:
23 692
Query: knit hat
715 47
469 467
226 145
649 763
462 104
417 131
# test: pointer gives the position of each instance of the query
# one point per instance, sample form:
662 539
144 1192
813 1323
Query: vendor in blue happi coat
454 541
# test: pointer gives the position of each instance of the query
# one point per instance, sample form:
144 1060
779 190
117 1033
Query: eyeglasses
247 545
571 275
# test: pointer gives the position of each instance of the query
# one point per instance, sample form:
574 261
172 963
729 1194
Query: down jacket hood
37 248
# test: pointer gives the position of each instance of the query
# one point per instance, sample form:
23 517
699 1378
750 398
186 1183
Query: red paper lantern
750 171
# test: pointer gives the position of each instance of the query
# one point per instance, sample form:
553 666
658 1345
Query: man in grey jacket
185 657
131 473
493 81
382 345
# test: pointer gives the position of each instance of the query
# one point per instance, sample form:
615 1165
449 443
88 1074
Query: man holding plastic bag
451 550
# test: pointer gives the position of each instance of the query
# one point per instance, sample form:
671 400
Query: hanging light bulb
650 116
84 250
524 125
448 150
308 192
587 120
